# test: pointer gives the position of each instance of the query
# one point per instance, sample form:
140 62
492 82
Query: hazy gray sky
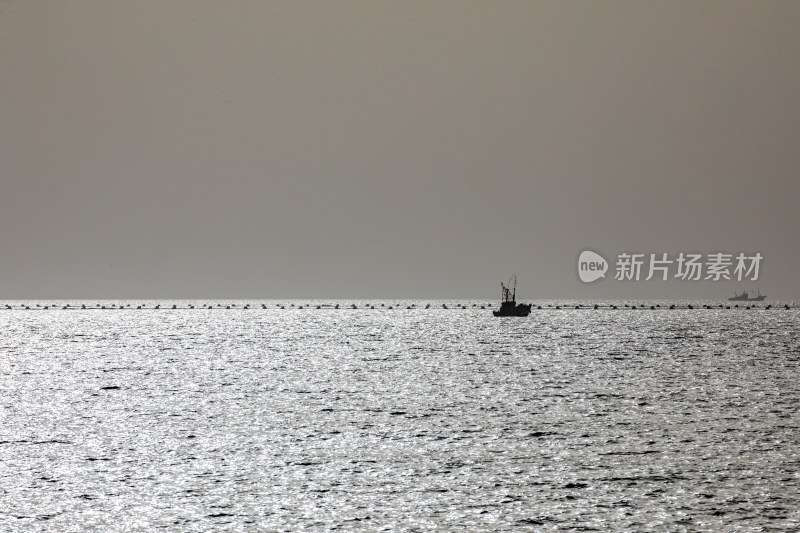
197 148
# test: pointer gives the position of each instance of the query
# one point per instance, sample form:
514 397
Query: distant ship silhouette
509 305
744 297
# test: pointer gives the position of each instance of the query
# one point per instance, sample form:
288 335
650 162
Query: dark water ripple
668 420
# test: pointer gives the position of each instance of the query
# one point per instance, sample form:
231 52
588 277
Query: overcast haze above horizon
415 149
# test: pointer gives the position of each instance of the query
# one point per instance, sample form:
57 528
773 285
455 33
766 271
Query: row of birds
372 306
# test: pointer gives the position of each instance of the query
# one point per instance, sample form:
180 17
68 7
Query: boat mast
510 290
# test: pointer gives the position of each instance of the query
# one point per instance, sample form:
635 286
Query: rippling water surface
402 419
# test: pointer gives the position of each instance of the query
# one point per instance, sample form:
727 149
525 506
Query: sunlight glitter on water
368 419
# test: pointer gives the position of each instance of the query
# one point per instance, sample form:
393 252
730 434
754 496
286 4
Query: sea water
401 419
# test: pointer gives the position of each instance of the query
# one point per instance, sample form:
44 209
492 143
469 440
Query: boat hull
513 310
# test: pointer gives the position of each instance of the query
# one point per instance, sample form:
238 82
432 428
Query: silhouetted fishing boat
744 297
509 305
